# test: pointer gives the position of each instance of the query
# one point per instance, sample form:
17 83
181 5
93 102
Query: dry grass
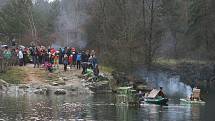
26 74
15 75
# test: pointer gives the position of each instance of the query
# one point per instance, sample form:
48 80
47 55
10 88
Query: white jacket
20 54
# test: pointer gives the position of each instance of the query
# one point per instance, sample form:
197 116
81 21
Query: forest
124 33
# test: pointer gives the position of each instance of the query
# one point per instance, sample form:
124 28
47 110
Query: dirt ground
40 76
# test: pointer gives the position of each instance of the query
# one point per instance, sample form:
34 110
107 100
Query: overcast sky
51 0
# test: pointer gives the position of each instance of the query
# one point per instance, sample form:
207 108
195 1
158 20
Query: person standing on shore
7 53
60 56
25 56
36 57
84 59
20 55
78 59
94 61
70 59
74 57
65 62
56 60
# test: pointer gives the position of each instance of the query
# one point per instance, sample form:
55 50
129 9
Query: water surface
97 107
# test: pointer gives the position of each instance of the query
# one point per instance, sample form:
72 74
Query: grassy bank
14 75
23 75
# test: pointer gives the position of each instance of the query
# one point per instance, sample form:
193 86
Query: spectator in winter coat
74 56
94 61
20 56
25 56
36 57
70 59
69 51
78 60
56 60
7 53
84 58
46 58
65 62
90 62
60 56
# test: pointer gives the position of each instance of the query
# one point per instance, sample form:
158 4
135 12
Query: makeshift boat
156 97
126 96
194 98
158 101
188 101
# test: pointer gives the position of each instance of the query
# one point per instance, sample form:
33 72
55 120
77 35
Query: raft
158 101
187 101
156 97
126 96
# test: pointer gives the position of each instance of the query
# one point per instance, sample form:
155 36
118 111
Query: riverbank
40 81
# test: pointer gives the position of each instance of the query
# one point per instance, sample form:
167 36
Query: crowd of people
51 58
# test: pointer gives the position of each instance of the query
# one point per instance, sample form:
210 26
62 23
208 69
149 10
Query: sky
51 0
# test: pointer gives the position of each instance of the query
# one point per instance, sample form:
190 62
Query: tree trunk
150 56
175 44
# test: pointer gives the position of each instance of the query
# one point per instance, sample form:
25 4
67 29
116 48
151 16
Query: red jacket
70 59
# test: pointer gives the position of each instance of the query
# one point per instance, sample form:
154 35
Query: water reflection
173 112
95 107
125 113
39 107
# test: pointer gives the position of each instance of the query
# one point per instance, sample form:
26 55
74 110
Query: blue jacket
78 58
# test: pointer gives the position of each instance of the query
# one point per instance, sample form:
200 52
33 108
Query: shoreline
39 81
